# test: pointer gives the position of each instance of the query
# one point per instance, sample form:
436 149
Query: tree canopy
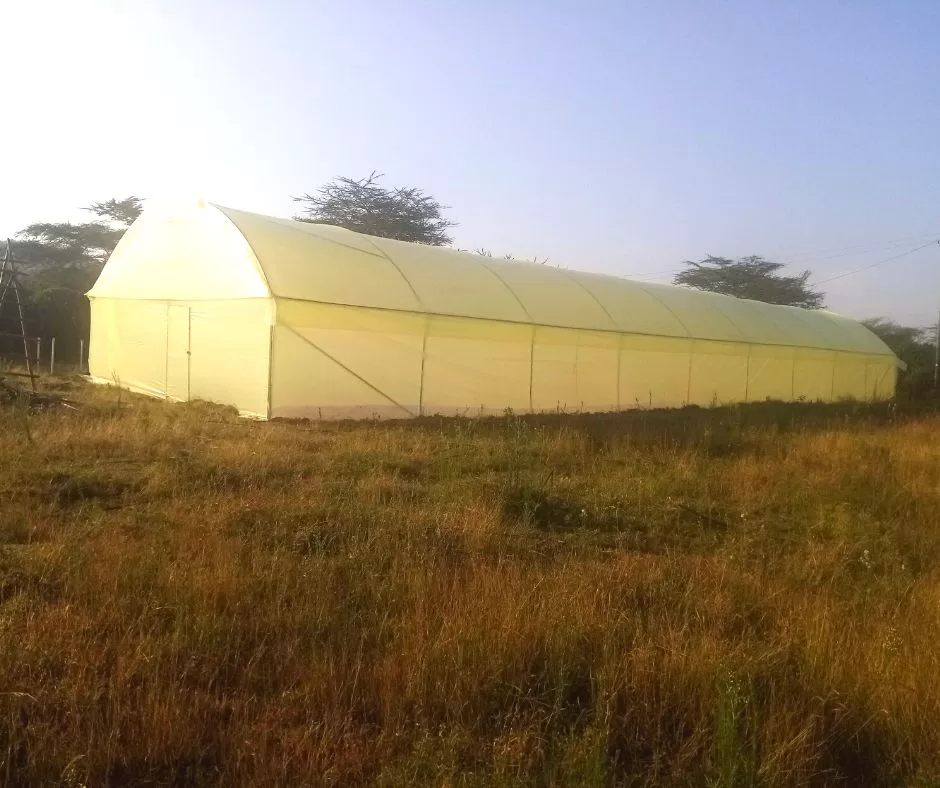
60 262
914 346
55 246
122 212
366 206
750 277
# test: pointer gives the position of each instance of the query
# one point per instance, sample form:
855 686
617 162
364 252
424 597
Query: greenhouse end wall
217 351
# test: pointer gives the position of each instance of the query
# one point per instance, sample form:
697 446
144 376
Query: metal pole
81 355
5 281
52 357
38 350
9 262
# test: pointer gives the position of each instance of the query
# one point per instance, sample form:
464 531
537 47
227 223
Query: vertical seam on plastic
272 327
832 385
189 352
796 352
747 374
424 350
166 357
531 367
619 356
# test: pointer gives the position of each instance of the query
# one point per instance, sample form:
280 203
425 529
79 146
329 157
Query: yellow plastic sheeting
336 362
230 346
718 375
366 326
816 332
551 297
756 325
858 338
212 350
880 378
699 312
128 344
597 380
382 348
816 329
849 377
178 352
345 362
770 373
813 371
631 308
654 372
330 265
309 384
314 262
574 371
181 253
476 367
443 281
555 371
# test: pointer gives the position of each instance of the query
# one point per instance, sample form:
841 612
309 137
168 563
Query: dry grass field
724 597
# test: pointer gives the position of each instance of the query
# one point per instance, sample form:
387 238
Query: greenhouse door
177 352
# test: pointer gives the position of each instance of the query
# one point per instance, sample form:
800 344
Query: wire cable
857 249
873 265
862 248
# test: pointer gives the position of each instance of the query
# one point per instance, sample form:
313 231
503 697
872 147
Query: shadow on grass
719 428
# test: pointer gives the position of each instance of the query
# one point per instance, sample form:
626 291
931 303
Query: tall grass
717 597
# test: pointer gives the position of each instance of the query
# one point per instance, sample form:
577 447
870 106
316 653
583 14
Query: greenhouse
281 318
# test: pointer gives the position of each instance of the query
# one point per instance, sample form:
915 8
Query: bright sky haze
620 137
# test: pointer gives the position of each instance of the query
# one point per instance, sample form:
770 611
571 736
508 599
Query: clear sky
620 137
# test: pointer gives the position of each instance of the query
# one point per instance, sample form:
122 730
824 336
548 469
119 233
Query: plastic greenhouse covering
281 318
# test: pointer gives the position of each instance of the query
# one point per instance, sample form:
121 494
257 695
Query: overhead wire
658 273
873 265
862 248
858 252
844 251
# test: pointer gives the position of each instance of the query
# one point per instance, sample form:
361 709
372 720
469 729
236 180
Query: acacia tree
121 213
365 206
60 262
750 277
914 346
51 248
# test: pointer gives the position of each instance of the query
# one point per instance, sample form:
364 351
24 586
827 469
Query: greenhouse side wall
334 362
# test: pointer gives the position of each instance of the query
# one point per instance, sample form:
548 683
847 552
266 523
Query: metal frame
8 280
